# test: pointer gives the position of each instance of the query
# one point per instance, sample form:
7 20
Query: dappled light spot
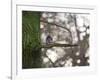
87 54
50 20
86 20
82 29
55 38
52 55
50 14
87 31
82 35
73 29
70 59
77 54
68 62
79 21
78 61
44 15
45 60
75 40
41 26
61 42
68 26
42 49
76 65
61 16
43 37
59 51
62 62
88 61
57 20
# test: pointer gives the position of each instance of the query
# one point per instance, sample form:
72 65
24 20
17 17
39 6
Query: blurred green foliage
31 53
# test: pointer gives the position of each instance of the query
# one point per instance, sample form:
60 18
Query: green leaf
31 54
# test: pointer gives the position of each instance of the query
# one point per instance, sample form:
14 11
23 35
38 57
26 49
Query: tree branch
58 45
44 21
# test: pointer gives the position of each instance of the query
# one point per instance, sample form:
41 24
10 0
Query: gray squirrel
49 39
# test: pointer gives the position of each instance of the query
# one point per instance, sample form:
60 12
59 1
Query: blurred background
65 28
